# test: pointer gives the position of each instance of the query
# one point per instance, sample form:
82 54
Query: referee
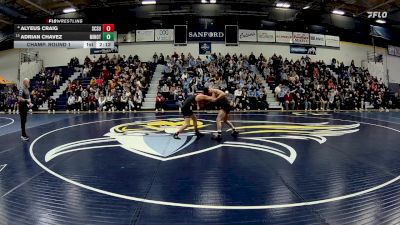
24 101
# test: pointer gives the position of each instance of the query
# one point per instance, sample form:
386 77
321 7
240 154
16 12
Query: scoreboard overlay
64 36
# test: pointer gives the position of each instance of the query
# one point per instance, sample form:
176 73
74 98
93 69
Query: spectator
56 80
289 101
102 103
51 105
123 102
71 103
307 102
78 103
155 57
160 102
91 102
85 94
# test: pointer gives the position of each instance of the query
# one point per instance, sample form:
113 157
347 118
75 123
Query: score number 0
108 27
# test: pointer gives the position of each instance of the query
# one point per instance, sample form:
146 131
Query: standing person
187 112
24 102
223 114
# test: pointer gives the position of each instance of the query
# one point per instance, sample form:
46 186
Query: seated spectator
93 82
123 102
91 101
160 102
51 105
71 103
289 101
56 80
110 102
102 103
138 99
165 91
86 71
306 102
84 94
78 103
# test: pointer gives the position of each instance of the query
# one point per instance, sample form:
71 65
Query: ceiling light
69 10
306 7
148 2
283 5
380 21
203 1
338 12
213 1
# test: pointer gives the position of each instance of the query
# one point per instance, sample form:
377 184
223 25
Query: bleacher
61 102
64 71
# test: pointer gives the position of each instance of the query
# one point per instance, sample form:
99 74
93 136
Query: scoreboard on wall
64 35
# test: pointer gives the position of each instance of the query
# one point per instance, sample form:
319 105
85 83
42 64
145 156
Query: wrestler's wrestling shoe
198 134
216 137
235 134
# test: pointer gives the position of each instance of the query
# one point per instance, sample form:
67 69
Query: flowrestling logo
379 15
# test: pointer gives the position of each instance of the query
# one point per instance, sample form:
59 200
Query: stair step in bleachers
150 99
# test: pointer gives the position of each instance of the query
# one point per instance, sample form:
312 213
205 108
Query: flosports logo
380 15
153 139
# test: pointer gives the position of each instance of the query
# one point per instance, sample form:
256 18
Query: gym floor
284 168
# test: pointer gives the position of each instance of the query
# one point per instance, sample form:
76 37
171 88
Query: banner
129 37
204 48
393 50
206 35
164 35
317 39
247 35
301 38
144 35
94 51
284 37
332 41
298 49
266 36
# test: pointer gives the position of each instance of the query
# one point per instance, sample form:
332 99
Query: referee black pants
23 113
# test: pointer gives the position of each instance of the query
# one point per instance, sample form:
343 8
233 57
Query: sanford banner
306 50
211 34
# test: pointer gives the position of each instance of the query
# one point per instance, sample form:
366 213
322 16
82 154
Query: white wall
9 63
394 68
30 69
347 52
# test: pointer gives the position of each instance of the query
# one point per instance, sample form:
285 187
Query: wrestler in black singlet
187 106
